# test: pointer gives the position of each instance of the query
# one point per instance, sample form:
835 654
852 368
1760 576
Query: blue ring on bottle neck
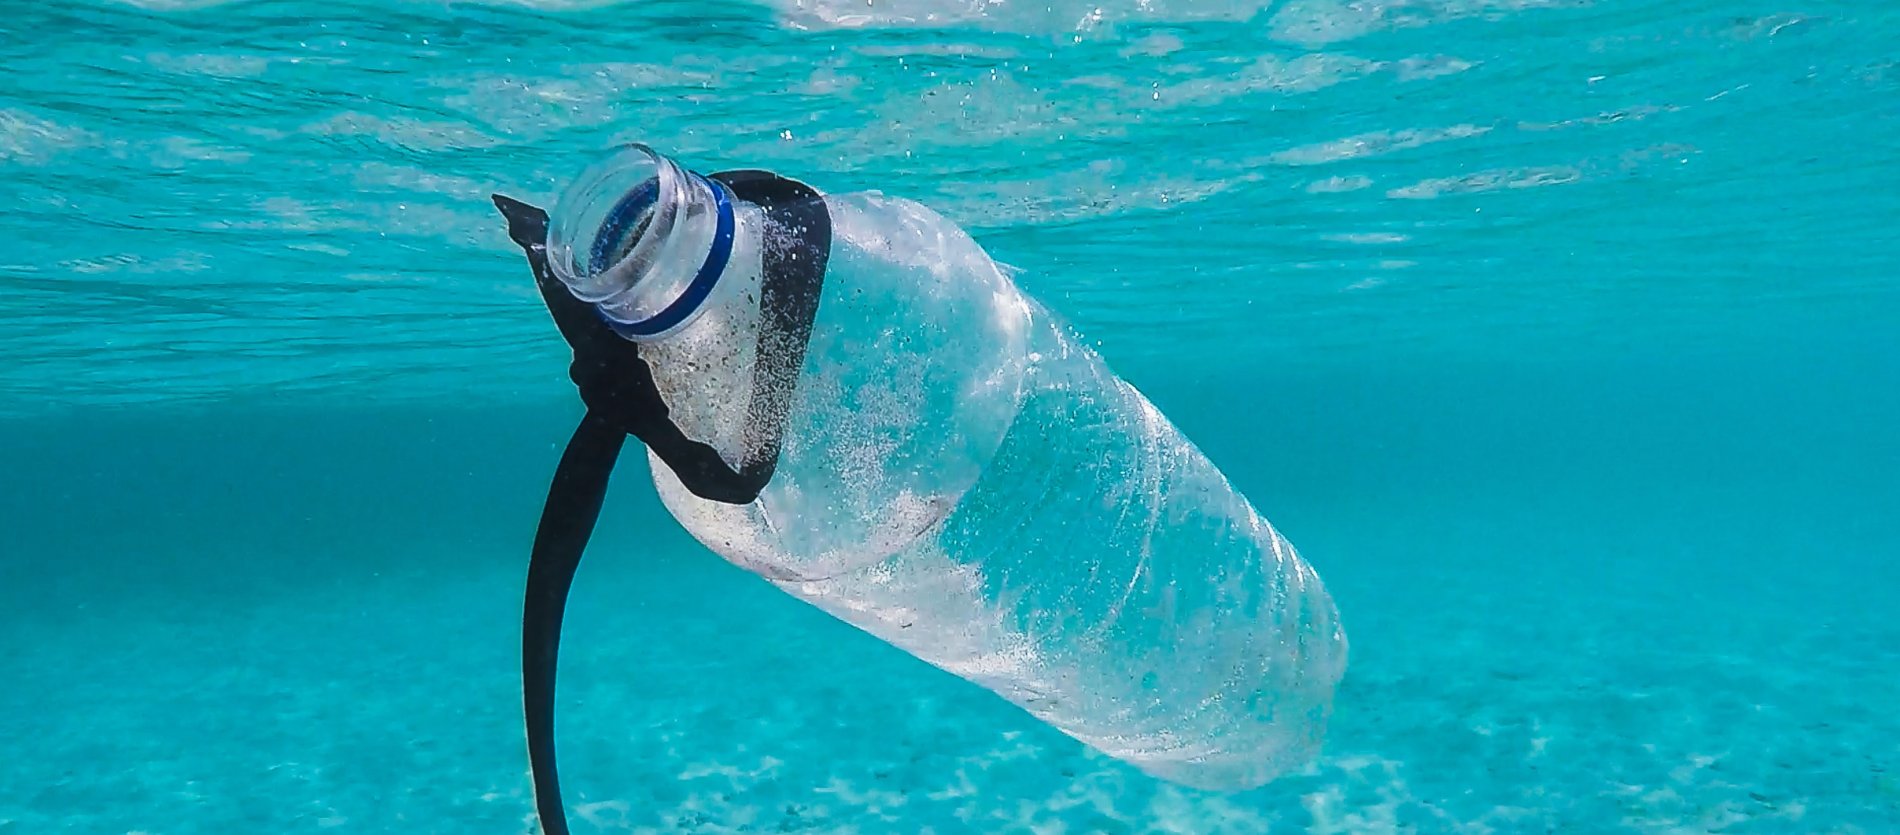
702 284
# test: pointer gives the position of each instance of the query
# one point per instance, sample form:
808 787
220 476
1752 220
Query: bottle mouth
627 235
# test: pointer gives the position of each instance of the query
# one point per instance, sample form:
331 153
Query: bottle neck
645 241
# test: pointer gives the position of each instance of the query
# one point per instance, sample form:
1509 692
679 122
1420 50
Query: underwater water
1562 338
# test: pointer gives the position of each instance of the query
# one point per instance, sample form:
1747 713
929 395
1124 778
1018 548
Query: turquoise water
1559 336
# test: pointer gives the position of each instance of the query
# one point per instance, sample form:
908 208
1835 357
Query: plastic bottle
962 477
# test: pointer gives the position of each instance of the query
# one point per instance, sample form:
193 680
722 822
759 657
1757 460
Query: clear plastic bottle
962 477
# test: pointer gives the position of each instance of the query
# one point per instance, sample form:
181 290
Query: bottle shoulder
900 231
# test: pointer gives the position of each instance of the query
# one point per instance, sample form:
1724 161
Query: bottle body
962 477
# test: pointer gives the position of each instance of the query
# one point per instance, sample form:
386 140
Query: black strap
618 388
567 521
797 247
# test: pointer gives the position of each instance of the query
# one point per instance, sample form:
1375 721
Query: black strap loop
618 388
617 384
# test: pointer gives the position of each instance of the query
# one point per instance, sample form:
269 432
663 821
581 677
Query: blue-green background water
1560 337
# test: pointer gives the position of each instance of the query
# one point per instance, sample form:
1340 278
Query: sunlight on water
211 193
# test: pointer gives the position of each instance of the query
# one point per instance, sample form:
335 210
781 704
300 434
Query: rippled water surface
1562 337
